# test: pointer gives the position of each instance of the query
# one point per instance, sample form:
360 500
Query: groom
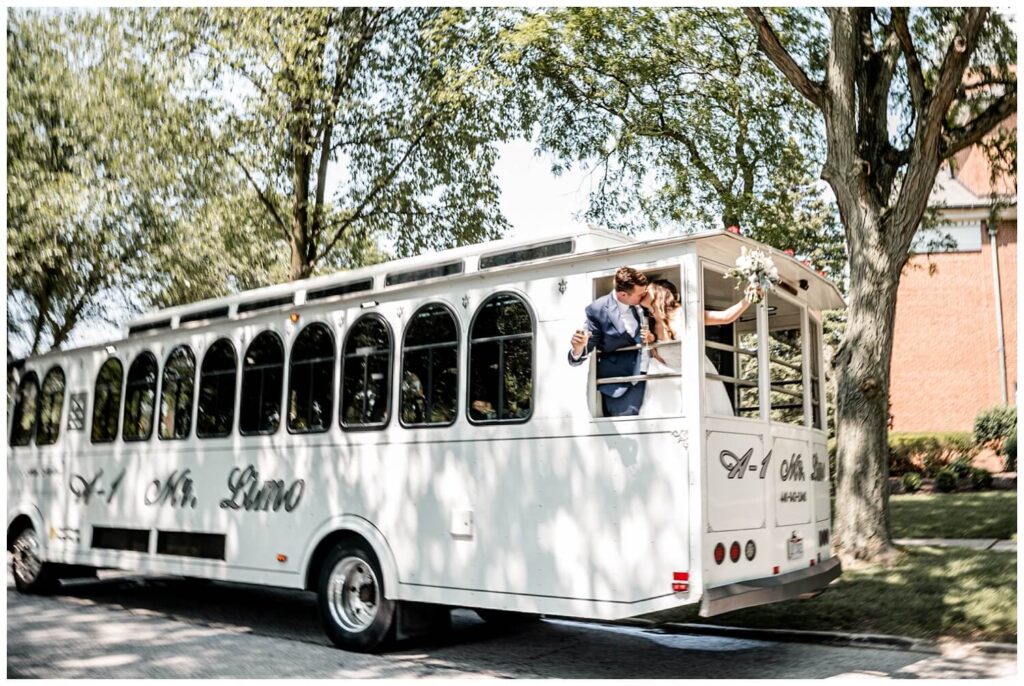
613 322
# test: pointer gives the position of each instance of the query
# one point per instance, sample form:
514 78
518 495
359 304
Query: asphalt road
127 627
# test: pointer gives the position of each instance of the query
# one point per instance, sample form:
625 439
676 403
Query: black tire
506 617
31 574
354 609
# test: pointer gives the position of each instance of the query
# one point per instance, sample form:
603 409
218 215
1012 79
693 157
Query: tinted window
501 361
430 368
262 383
140 398
50 406
311 380
176 393
107 402
25 408
366 374
217 391
527 254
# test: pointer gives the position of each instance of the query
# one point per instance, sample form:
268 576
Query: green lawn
929 593
987 514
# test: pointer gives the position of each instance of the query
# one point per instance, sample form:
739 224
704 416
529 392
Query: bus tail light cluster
680 582
750 550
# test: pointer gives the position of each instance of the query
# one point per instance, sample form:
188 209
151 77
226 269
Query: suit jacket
608 333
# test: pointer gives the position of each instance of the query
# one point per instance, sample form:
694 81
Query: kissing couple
639 312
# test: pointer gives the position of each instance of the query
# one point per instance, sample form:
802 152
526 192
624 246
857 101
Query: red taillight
719 553
775 569
734 551
812 563
680 582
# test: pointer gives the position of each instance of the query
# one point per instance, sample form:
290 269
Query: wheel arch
337 529
24 518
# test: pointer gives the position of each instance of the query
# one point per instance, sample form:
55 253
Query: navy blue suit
608 333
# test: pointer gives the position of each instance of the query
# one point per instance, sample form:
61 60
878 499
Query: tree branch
974 131
769 43
958 56
918 92
261 195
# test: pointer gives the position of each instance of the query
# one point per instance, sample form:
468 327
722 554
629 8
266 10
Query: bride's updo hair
664 302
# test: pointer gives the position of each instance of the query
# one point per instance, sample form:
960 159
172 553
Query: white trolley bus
409 437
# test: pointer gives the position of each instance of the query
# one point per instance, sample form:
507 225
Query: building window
50 406
107 401
366 374
430 368
176 393
501 361
262 382
25 406
311 380
140 398
217 391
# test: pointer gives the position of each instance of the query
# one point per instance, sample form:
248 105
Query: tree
114 200
899 93
394 98
686 122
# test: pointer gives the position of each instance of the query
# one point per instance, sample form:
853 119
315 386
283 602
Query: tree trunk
299 266
862 400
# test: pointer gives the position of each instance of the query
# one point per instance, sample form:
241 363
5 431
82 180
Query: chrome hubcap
353 594
26 556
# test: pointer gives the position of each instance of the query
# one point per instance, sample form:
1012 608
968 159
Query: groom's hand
579 343
649 337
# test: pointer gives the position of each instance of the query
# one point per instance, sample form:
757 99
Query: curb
822 637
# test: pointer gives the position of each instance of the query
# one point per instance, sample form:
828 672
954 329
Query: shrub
1010 452
980 479
961 466
995 424
928 452
945 480
911 482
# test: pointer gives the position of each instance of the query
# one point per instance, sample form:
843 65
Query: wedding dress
663 397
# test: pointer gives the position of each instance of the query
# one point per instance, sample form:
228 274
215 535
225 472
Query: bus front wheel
31 574
354 611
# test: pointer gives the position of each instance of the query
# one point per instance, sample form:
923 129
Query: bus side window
366 374
50 406
501 361
311 380
430 368
107 401
176 393
217 391
140 398
262 383
25 405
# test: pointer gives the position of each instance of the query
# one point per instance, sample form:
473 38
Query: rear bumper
770 589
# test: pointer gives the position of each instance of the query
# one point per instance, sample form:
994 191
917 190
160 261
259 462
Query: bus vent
209 546
120 539
440 270
539 252
343 289
266 304
214 313
150 326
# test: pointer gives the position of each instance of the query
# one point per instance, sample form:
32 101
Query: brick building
949 360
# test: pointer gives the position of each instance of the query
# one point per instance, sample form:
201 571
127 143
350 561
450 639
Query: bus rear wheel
31 574
354 611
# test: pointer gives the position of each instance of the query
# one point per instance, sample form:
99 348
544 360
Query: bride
662 397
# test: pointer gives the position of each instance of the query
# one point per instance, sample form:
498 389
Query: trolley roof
512 254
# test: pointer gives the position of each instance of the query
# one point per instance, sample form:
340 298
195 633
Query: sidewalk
999 546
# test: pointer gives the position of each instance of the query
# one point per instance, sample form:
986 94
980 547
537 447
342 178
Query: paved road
125 627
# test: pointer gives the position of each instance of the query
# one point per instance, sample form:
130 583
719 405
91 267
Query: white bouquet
756 270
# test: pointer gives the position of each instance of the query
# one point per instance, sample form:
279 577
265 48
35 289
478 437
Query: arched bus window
217 391
107 401
366 374
311 380
176 393
501 361
262 382
430 368
50 406
140 398
25 406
